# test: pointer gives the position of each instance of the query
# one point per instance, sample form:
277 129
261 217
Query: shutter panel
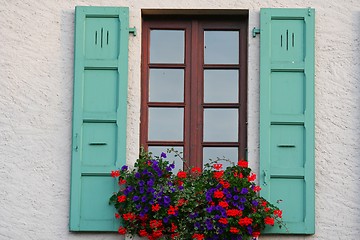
287 162
99 114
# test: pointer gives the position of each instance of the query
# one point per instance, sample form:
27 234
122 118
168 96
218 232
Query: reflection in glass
166 85
220 125
167 46
170 157
221 86
213 153
221 47
166 124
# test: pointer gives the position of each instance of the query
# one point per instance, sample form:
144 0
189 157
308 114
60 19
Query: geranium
213 203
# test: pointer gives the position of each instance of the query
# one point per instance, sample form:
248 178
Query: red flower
245 221
234 212
122 181
122 230
157 234
121 198
218 175
172 210
269 221
223 221
181 174
174 235
217 166
128 216
278 213
155 224
243 164
173 227
198 236
234 230
218 194
223 204
252 177
257 189
225 184
115 173
256 234
155 207
264 203
266 209
117 215
196 170
181 202
143 233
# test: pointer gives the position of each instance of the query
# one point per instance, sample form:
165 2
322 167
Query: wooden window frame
194 66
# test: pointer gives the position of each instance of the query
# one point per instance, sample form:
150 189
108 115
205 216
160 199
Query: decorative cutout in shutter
287 162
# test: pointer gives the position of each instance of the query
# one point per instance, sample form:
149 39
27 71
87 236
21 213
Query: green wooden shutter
287 162
99 114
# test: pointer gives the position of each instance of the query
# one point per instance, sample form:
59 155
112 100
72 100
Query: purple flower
208 224
124 168
172 166
137 175
163 155
244 191
254 203
236 197
167 200
193 215
197 225
165 219
242 199
136 198
249 229
150 182
143 199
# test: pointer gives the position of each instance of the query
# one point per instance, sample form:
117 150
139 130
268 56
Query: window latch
255 31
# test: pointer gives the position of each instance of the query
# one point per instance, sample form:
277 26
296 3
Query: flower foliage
213 203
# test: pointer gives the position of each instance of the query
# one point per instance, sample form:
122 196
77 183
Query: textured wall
36 72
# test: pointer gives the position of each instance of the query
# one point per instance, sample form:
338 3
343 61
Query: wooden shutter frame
308 119
80 65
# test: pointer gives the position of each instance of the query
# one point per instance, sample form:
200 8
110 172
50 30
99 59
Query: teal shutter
99 114
287 162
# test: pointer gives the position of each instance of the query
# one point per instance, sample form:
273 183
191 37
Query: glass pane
221 86
166 124
170 157
213 153
167 46
221 47
220 125
166 85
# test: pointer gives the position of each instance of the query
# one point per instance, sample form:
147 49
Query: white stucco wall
36 74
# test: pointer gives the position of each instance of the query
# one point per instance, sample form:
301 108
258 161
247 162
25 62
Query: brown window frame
193 66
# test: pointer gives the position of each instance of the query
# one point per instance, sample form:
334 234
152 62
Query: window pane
166 85
170 157
167 46
221 86
213 153
221 47
220 125
166 124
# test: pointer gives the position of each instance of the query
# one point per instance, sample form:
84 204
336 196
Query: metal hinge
255 31
133 31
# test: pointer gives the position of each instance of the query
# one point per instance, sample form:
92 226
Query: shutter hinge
133 31
255 31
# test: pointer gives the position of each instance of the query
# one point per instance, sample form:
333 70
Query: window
194 87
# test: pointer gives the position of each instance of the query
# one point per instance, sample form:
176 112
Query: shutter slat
99 114
287 116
